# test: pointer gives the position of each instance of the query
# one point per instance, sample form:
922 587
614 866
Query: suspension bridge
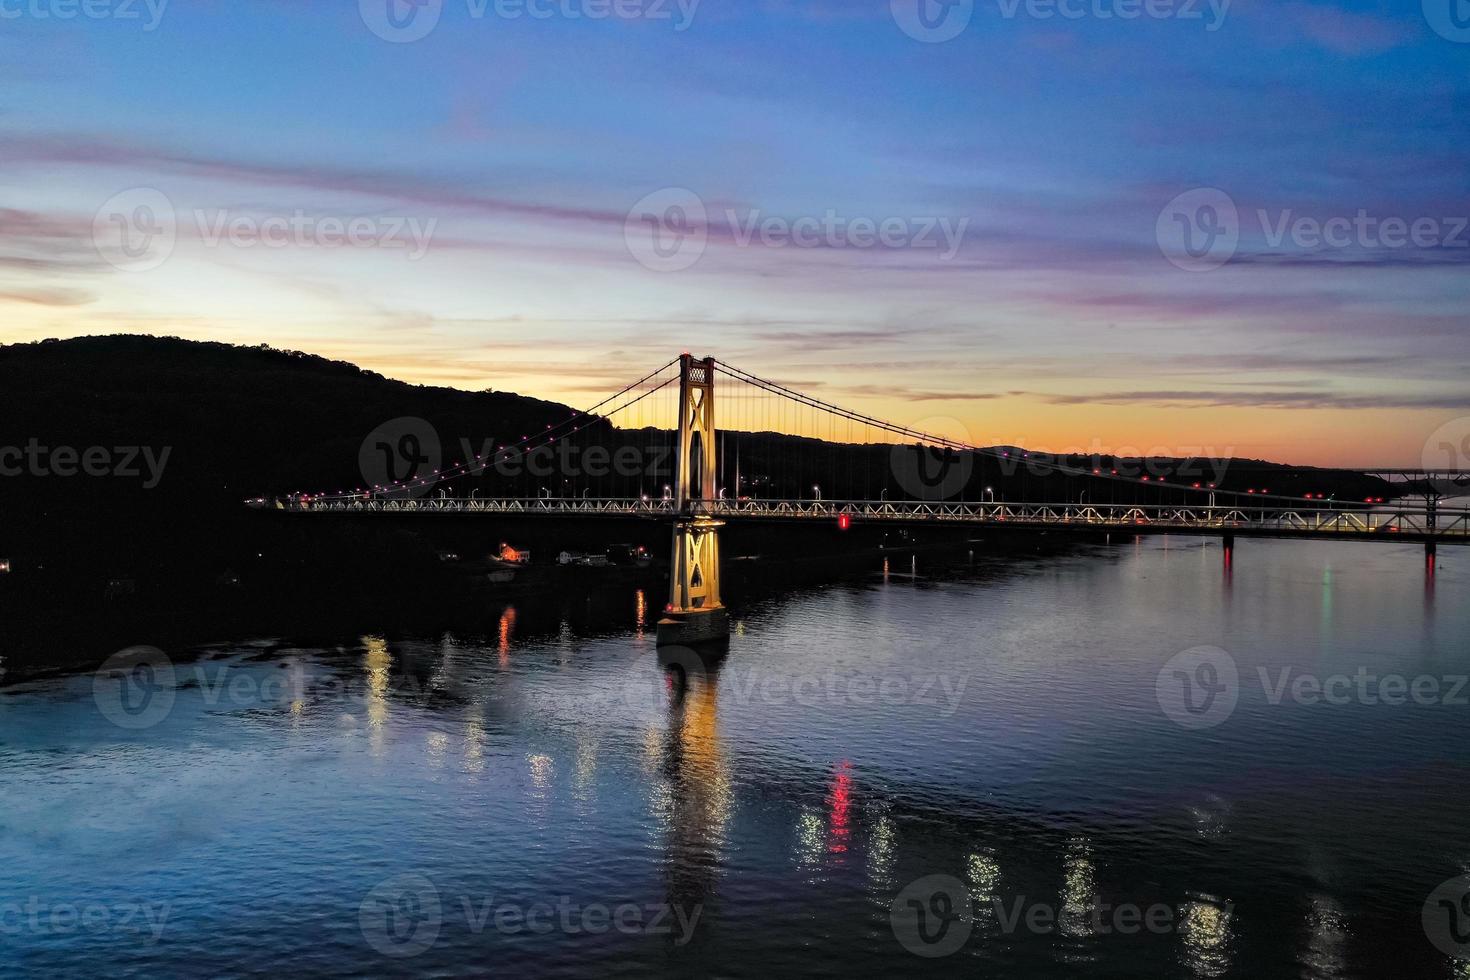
654 451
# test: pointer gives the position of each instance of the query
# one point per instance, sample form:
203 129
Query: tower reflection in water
695 805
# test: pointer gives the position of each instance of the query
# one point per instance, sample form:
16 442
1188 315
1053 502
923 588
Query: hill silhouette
181 432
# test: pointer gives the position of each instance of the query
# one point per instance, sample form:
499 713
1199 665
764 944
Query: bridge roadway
1343 522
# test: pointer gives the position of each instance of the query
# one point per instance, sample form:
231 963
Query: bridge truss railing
1412 521
1407 521
558 506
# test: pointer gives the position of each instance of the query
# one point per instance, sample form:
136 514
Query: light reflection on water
535 760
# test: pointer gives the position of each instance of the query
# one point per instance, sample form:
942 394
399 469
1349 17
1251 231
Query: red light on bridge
844 521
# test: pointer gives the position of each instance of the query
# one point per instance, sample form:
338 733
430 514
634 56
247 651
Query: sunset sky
1034 287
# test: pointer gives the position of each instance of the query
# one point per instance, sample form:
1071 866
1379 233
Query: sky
1177 226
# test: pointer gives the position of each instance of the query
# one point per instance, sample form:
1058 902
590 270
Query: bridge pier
695 613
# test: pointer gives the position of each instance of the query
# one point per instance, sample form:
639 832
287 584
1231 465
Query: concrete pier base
690 628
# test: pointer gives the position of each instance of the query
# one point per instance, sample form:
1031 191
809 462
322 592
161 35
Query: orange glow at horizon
579 375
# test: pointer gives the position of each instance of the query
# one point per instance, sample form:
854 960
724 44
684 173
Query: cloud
38 252
43 296
1349 33
95 152
1264 399
1344 31
921 395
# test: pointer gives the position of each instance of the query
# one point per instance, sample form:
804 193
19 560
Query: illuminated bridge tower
695 613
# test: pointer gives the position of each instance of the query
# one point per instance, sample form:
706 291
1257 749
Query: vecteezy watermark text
136 230
833 230
302 230
41 918
405 21
128 462
152 10
404 456
1211 13
403 916
645 690
670 230
937 21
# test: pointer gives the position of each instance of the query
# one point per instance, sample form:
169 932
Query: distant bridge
1394 523
696 505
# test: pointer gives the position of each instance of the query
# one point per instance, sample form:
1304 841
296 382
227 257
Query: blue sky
1037 174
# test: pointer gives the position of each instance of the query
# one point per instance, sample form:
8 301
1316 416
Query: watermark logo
401 456
1198 688
932 21
649 683
932 917
401 917
1448 448
668 230
1449 18
134 688
933 472
135 230
1446 918
657 680
401 21
1199 230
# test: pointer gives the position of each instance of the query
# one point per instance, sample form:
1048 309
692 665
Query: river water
1125 761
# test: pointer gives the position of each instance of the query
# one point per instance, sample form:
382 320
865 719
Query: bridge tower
695 613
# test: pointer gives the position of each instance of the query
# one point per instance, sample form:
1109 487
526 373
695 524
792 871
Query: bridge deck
1379 524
